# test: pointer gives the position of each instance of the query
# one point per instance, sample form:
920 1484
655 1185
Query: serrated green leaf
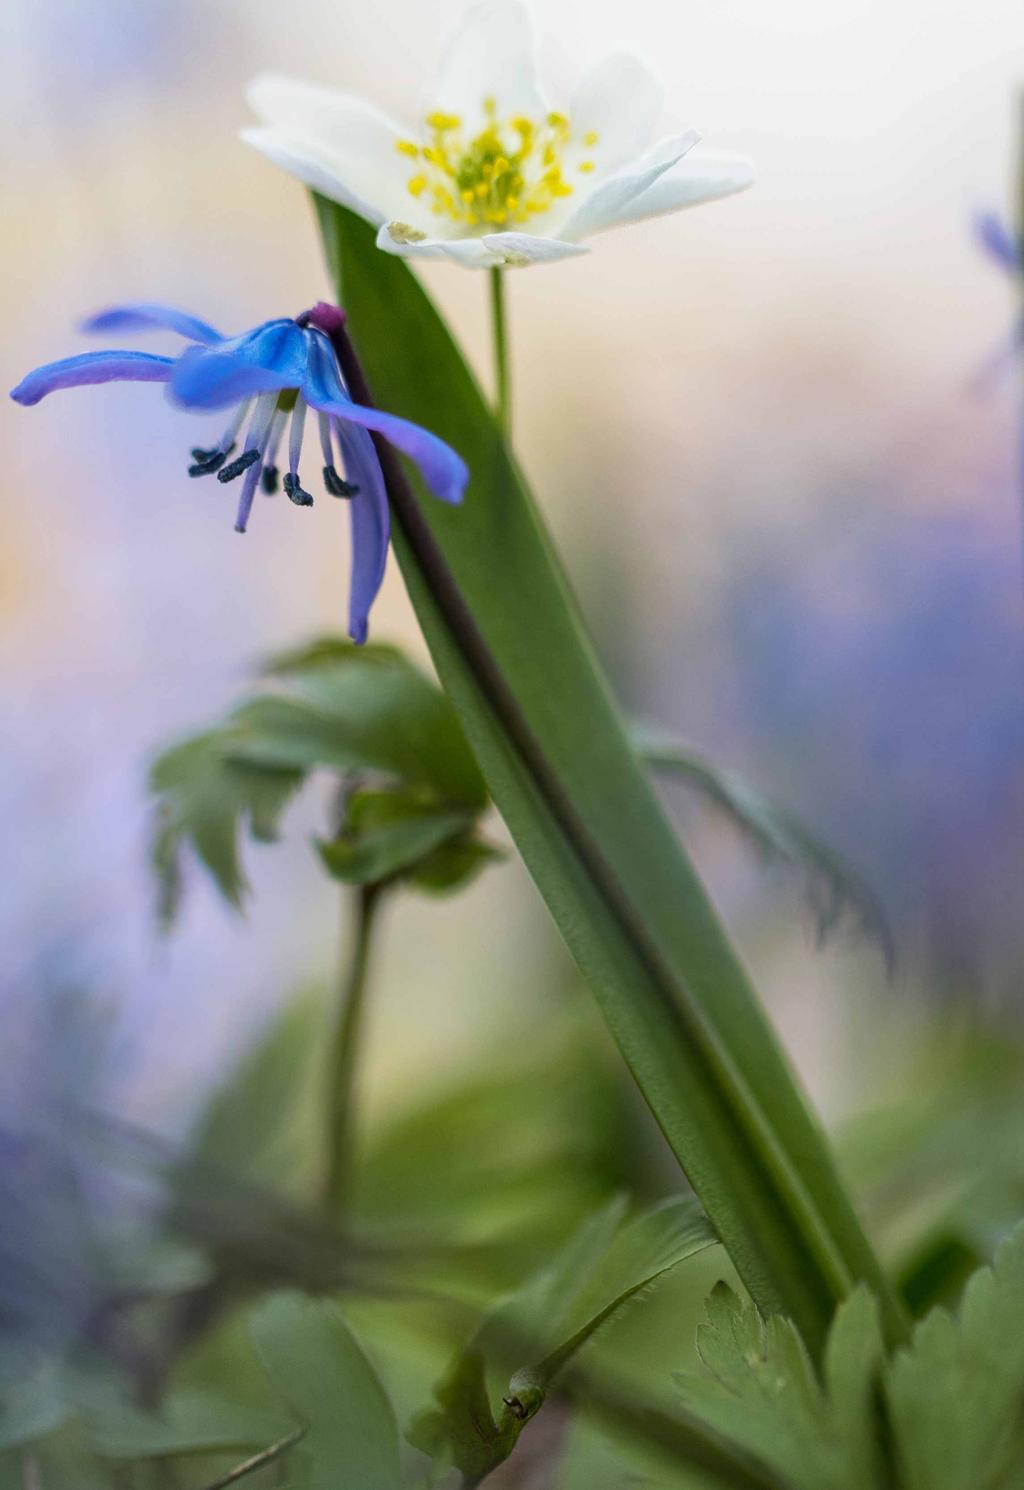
531 1336
834 888
760 1391
508 645
956 1393
315 1362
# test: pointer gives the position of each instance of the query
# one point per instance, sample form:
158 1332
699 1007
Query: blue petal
444 472
371 526
92 367
997 240
142 315
271 356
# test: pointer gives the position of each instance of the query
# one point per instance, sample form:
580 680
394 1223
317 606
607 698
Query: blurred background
793 520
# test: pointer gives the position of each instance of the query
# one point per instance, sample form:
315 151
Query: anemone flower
270 376
490 174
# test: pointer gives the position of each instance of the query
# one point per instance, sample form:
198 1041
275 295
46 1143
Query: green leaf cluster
411 794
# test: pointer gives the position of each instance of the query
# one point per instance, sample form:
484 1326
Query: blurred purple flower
995 237
882 682
270 375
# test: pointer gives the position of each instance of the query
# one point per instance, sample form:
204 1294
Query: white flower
490 174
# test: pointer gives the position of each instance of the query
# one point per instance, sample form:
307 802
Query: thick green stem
504 634
345 1055
502 371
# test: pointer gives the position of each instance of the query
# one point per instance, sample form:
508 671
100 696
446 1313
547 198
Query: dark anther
295 492
208 461
237 466
202 456
336 485
268 480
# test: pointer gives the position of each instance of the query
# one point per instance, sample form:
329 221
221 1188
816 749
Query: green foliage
530 1337
413 793
834 889
312 1357
509 647
760 1390
938 1167
957 1392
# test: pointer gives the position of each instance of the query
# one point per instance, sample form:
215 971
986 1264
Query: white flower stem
502 372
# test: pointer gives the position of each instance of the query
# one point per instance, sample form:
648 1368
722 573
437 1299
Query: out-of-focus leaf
760 1390
320 1370
938 1168
508 645
486 1175
329 706
205 795
187 1423
956 1393
834 888
543 1326
453 864
33 1396
278 1143
367 708
386 835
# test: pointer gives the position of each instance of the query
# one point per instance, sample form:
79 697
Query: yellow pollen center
513 170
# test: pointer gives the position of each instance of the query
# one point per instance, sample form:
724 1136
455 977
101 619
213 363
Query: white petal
619 100
698 178
472 253
308 164
519 249
489 56
315 132
607 203
491 251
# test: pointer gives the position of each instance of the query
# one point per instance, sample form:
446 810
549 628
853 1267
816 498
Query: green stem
345 1057
502 373
257 1461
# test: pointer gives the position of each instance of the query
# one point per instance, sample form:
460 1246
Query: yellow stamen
509 172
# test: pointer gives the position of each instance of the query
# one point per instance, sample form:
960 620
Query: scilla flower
490 174
269 377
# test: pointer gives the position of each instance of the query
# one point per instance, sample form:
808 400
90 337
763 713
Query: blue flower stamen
335 484
295 492
240 464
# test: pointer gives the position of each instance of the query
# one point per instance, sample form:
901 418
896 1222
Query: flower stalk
359 919
502 369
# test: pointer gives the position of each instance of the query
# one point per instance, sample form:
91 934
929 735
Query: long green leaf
508 644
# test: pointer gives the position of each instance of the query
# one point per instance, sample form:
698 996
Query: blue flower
269 377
